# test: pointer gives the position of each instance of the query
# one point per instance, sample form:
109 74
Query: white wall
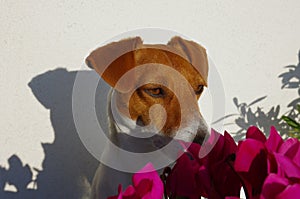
249 41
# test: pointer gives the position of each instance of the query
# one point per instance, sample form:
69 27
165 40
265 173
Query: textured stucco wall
249 41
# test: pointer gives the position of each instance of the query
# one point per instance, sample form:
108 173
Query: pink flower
182 179
251 164
129 193
146 185
210 176
269 168
219 163
279 187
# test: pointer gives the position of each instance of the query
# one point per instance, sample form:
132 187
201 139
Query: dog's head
158 83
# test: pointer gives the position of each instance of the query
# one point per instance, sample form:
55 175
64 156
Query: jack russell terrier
133 99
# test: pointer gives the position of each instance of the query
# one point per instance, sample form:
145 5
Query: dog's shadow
68 168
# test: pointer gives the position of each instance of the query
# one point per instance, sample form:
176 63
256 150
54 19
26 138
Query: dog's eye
199 89
155 92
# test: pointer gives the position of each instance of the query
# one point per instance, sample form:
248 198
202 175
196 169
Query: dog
158 83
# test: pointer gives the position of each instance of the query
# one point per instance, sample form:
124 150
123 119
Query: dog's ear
194 52
113 60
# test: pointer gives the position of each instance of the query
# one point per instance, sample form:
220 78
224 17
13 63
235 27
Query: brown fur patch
186 57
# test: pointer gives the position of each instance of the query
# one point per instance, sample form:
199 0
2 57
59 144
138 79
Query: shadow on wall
68 168
247 115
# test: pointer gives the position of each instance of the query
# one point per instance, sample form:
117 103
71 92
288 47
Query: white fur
106 179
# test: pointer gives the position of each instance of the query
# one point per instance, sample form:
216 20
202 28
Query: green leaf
292 123
298 108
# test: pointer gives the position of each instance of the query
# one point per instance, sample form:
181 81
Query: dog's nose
200 136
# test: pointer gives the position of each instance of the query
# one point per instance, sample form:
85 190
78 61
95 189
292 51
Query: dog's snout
200 136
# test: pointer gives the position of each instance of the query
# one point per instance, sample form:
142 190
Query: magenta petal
274 141
287 145
225 181
144 188
194 149
182 179
291 149
149 172
213 144
213 137
273 185
230 146
296 157
203 181
288 167
216 152
247 151
292 191
129 191
254 133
